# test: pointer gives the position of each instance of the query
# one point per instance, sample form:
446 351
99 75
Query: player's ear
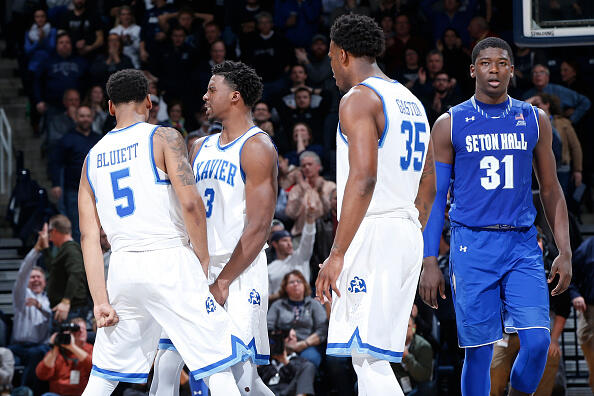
111 107
343 56
235 96
472 73
512 71
148 102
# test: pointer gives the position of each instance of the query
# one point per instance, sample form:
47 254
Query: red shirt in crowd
59 376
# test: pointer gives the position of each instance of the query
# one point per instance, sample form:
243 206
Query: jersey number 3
119 193
493 180
419 146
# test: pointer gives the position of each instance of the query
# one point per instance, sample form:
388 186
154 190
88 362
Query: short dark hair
553 101
241 78
62 33
301 89
128 85
358 34
492 42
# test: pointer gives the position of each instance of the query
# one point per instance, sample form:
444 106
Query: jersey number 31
493 180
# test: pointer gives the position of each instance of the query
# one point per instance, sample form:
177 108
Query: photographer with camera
68 364
288 373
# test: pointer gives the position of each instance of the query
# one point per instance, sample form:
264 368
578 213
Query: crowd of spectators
68 48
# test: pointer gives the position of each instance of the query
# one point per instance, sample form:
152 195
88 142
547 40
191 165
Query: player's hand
219 291
61 311
42 239
329 272
554 349
579 304
561 266
105 315
431 282
32 302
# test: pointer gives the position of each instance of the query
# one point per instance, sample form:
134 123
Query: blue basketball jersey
493 147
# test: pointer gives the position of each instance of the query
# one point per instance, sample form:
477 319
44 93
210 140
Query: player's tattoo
176 144
429 168
421 203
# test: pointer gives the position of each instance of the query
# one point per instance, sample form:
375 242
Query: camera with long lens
277 341
65 333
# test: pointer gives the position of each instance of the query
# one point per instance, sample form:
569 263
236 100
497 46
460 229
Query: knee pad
532 358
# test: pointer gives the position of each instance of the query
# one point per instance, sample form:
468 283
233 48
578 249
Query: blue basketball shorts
498 282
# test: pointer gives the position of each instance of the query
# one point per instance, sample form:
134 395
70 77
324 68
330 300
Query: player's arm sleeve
432 232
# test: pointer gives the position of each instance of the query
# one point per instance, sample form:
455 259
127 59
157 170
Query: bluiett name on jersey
117 156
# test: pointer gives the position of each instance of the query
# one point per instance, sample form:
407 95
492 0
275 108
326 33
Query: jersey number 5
125 192
493 180
419 146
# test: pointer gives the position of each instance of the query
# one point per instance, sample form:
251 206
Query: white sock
168 367
98 386
248 380
375 377
222 384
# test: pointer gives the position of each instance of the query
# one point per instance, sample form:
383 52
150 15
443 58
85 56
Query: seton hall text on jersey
117 156
496 141
218 169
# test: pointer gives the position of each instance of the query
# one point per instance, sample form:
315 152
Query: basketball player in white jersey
138 184
236 174
385 185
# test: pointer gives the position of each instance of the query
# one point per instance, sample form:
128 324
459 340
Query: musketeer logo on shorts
357 285
254 297
210 305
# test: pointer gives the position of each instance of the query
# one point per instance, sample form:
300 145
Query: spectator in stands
129 31
349 7
298 19
66 161
310 189
424 83
31 322
67 366
297 311
275 226
161 112
571 157
269 52
409 73
415 371
288 259
403 39
40 42
261 113
152 36
317 65
95 100
442 98
287 373
6 370
455 59
303 112
571 78
325 232
176 119
67 285
154 111
60 72
505 352
111 61
298 77
83 26
581 291
452 16
574 105
302 141
175 66
479 29
60 124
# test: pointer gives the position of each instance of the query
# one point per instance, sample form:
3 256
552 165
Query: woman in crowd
130 34
297 311
95 99
111 61
176 119
40 42
302 141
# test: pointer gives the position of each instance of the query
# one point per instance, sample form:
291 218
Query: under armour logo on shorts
254 297
210 305
463 248
357 285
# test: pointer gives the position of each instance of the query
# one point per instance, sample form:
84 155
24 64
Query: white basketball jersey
402 149
221 183
136 204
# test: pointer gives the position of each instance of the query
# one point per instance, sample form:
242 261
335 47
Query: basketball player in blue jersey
138 184
236 175
489 146
385 187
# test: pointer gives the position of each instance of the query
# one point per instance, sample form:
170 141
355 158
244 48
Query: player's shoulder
461 107
258 142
